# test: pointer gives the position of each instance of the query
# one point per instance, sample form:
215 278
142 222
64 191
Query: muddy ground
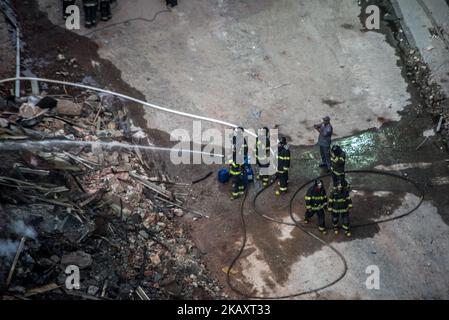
280 260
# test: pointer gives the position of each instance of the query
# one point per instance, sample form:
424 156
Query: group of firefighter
338 202
90 10
91 7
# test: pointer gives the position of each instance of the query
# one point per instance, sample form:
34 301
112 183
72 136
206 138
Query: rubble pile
432 96
419 74
97 208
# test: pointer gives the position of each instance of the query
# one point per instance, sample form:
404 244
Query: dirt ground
260 53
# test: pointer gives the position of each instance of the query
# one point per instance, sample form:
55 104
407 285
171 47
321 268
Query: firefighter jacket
339 201
316 199
338 163
283 159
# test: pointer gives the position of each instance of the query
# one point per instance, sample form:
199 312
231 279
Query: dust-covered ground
277 63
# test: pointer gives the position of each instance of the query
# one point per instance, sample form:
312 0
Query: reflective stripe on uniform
315 198
337 173
339 210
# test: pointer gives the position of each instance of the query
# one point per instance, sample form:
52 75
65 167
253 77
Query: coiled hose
312 235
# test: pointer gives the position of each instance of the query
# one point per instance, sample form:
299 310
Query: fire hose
303 228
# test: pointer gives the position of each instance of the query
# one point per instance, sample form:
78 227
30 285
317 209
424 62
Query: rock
69 108
113 158
78 258
27 110
149 219
182 250
155 259
92 290
60 57
93 98
143 234
174 288
3 123
178 212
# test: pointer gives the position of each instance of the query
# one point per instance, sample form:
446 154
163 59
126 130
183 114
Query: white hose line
150 105
17 145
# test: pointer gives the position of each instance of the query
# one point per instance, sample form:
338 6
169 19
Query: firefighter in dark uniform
105 10
239 146
283 165
65 4
236 171
90 12
316 201
338 161
340 205
263 153
237 164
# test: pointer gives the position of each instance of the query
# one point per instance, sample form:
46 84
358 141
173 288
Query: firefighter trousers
344 220
238 187
283 181
321 217
337 178
262 169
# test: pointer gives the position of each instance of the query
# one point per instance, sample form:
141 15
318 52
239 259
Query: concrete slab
255 63
420 18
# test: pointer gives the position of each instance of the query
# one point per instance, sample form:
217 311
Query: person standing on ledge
324 141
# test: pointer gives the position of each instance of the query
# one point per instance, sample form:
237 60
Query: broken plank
40 290
14 263
152 186
181 207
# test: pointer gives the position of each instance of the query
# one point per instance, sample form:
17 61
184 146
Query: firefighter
340 205
338 161
105 10
90 12
236 171
239 146
263 152
283 165
65 4
324 141
316 201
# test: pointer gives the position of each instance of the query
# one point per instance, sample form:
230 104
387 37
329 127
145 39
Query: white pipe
150 105
17 62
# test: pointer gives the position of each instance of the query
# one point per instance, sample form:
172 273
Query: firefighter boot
336 230
322 230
